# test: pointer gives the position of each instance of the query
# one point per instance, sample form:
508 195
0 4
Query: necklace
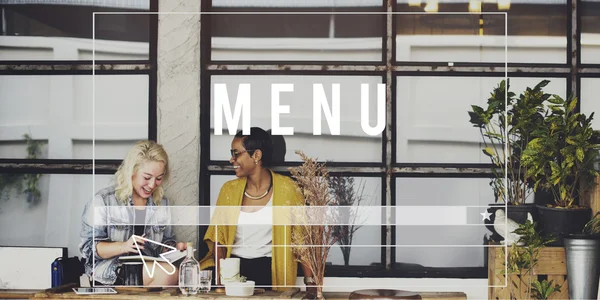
261 196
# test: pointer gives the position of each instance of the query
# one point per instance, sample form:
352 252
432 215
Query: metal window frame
85 67
389 169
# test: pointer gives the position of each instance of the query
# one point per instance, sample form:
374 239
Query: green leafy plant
593 226
523 257
9 181
543 290
561 158
242 278
507 125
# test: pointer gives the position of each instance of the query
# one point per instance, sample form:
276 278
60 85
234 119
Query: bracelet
309 280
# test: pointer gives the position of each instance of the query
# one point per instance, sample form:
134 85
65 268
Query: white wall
589 98
60 48
438 48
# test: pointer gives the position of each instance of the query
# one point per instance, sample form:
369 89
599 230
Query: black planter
560 222
543 198
517 213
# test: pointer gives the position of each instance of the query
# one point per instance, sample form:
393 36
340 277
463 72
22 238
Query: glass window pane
54 220
433 121
367 235
449 214
419 258
19 147
308 31
536 31
589 99
57 110
590 32
38 31
352 144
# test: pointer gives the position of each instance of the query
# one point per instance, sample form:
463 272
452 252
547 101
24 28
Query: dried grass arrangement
316 230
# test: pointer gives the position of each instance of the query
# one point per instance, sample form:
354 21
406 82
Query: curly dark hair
258 139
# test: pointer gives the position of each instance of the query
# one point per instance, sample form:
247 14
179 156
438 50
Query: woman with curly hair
264 248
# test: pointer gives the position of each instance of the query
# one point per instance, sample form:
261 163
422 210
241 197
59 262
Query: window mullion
574 37
420 67
58 166
388 133
74 67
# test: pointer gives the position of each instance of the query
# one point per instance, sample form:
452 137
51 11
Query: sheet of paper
89 291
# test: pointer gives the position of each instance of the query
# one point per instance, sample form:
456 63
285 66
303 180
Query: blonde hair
142 152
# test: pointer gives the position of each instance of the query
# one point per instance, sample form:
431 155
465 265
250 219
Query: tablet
171 257
94 291
137 258
176 255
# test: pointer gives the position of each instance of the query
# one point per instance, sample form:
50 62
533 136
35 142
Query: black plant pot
543 198
561 222
517 213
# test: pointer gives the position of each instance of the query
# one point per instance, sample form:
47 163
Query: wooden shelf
551 263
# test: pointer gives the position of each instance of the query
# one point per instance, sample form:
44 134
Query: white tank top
254 233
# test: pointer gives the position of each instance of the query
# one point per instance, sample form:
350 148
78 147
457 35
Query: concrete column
179 103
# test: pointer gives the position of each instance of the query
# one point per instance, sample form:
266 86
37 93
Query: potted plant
523 259
14 181
315 232
583 255
507 125
561 160
544 289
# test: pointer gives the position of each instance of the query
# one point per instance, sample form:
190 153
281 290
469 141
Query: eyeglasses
235 154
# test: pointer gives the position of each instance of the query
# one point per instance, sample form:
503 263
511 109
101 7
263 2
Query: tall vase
583 256
315 293
320 293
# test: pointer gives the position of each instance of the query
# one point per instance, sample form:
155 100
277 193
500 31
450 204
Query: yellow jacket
285 193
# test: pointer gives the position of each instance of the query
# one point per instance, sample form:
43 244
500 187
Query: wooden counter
132 293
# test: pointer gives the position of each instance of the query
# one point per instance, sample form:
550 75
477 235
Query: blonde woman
135 204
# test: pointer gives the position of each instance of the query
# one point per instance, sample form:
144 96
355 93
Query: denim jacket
105 218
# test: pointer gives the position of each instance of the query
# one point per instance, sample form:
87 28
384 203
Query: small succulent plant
242 278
